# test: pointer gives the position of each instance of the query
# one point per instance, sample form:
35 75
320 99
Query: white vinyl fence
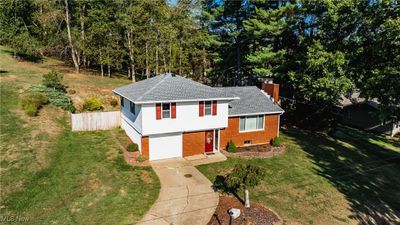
95 121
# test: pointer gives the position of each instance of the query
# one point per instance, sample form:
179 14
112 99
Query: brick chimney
271 89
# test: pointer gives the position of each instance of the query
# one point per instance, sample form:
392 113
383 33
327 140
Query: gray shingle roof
169 87
252 101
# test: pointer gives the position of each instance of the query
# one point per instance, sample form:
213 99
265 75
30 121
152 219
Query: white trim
176 100
254 130
216 131
259 113
279 124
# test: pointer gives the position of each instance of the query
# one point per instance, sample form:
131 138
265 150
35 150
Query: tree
75 54
245 177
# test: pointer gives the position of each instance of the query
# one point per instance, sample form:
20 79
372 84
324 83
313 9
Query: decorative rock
234 213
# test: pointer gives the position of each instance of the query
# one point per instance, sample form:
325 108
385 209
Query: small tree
244 176
53 80
231 146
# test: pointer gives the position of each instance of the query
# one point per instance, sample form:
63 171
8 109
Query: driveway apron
186 196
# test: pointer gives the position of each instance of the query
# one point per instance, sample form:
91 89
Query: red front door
209 141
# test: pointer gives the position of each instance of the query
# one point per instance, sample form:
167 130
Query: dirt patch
256 214
4 79
145 176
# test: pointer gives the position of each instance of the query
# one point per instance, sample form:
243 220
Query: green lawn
350 178
54 176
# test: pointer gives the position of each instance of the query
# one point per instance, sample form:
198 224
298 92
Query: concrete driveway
183 199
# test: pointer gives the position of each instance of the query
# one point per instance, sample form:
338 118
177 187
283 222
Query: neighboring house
171 116
362 113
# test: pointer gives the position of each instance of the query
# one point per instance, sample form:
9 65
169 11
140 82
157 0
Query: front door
209 141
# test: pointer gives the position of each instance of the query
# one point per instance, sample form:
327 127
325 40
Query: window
251 123
247 142
132 106
122 101
207 108
166 110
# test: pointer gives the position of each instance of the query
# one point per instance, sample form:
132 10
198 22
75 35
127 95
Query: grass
328 180
54 176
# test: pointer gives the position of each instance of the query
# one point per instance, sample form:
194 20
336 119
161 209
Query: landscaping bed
256 214
260 151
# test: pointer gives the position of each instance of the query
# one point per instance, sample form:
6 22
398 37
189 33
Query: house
361 113
171 116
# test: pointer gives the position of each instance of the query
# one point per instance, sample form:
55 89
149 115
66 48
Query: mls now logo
17 218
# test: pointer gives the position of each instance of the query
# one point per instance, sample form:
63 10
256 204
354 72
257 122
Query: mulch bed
256 214
256 151
130 157
255 148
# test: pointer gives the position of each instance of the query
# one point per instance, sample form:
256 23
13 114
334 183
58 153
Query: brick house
171 116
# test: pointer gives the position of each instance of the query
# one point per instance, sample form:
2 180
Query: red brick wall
256 137
193 143
145 146
271 89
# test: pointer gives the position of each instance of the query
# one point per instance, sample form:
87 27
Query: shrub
92 104
31 109
113 102
141 158
53 80
31 102
71 91
132 147
231 146
275 142
56 97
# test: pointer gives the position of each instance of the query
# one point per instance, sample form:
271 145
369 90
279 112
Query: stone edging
249 155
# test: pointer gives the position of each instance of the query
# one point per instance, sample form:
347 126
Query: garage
165 146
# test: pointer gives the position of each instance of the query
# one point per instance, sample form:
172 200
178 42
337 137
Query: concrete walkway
186 195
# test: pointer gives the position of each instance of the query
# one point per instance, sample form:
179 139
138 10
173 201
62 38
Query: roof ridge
165 76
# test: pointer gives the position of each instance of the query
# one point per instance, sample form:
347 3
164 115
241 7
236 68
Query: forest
318 51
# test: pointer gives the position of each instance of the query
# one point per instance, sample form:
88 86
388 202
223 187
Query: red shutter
158 111
173 110
201 108
214 108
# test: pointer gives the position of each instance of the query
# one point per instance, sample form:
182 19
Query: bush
275 142
53 80
71 91
132 147
92 104
113 102
57 98
31 109
141 158
231 146
31 102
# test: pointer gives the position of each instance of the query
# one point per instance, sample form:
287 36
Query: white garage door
165 146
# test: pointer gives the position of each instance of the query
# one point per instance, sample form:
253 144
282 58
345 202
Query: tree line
317 50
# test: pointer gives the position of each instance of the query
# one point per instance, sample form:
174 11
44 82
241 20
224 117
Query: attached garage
165 146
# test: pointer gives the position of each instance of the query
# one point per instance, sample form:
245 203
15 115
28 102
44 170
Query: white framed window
166 110
207 108
251 123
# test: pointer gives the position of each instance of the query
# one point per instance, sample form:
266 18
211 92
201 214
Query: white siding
131 132
165 146
187 119
136 119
